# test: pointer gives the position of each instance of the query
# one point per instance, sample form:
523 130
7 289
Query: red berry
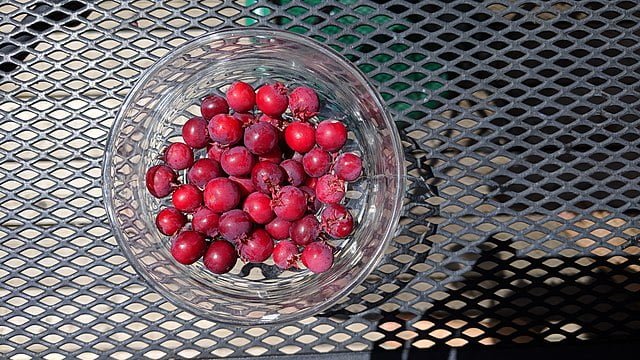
246 119
275 121
221 194
187 198
178 156
261 138
237 161
213 105
316 162
300 136
303 102
160 180
317 257
258 206
278 228
285 255
330 189
295 172
290 203
311 182
225 129
337 221
257 247
331 135
241 97
214 151
194 132
234 224
274 156
170 220
244 185
348 166
267 176
188 247
305 231
203 171
272 99
220 257
205 221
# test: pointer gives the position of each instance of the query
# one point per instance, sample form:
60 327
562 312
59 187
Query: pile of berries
269 185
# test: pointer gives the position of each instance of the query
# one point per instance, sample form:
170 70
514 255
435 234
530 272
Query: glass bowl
168 94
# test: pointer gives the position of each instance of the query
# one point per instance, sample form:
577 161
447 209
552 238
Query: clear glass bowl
167 95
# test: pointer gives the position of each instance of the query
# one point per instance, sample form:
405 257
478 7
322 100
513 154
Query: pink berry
267 176
234 224
246 119
305 231
214 151
221 194
244 185
241 97
275 156
272 99
213 105
348 166
330 189
285 255
290 203
205 221
331 135
317 257
278 228
237 161
258 206
170 220
303 102
261 138
194 132
257 247
295 172
203 171
337 221
275 121
300 136
187 198
178 156
188 247
160 180
220 257
225 129
316 162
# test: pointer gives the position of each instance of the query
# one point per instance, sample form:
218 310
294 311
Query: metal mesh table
520 120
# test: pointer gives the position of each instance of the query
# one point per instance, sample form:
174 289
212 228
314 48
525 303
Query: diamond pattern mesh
522 135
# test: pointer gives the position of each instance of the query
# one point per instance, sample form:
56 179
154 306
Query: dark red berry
187 198
203 171
258 206
311 182
337 221
300 136
246 119
316 162
257 247
214 151
221 194
170 220
330 189
313 203
303 102
244 185
194 132
188 247
348 166
160 180
220 257
234 224
241 97
178 156
285 255
278 228
290 203
267 176
225 129
305 231
205 221
295 172
274 156
237 161
275 121
261 138
213 105
317 257
272 99
331 135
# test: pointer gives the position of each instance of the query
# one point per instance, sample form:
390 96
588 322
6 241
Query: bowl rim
379 104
